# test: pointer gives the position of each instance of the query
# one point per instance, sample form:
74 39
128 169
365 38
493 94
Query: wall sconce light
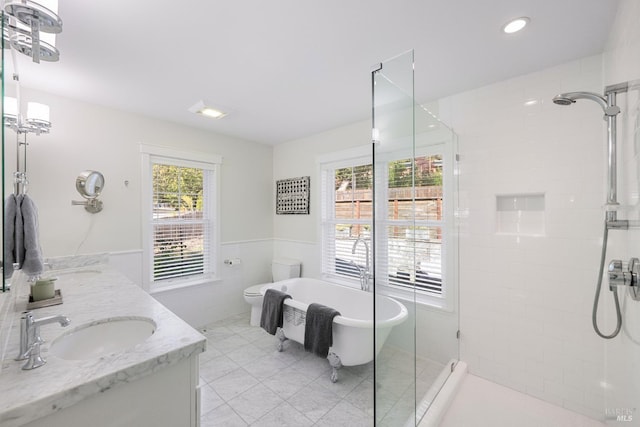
10 109
38 114
37 117
30 28
375 135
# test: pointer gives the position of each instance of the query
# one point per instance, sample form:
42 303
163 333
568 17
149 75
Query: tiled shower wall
526 299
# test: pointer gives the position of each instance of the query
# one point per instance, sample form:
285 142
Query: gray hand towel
32 263
318 329
10 212
272 308
18 252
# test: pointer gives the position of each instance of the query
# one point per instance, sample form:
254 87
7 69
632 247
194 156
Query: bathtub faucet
365 274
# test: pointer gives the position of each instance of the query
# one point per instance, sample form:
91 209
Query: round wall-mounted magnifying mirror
90 184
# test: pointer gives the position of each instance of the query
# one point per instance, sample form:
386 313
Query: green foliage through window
180 227
177 188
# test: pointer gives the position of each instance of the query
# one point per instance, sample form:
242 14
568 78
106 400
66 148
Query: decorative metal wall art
292 196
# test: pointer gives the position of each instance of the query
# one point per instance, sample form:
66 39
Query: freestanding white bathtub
353 330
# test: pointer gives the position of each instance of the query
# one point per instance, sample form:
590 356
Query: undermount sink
102 337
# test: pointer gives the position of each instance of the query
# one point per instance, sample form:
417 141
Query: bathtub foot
334 361
282 338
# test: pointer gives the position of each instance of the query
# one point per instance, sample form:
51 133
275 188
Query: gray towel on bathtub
318 329
272 308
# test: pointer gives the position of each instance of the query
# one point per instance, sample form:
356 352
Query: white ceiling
291 68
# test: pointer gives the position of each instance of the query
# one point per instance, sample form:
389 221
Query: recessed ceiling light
515 25
205 110
211 112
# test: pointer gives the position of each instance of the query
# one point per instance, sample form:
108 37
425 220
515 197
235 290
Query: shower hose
594 313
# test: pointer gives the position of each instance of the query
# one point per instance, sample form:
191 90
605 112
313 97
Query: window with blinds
346 216
180 221
410 229
413 227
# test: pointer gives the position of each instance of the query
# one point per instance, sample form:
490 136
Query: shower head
571 97
562 100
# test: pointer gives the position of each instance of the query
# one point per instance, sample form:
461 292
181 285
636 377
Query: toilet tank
285 268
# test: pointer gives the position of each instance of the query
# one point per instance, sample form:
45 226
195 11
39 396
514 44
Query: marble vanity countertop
89 293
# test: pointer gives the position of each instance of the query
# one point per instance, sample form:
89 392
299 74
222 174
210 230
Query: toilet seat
254 291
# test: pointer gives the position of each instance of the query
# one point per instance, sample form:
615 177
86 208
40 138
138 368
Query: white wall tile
522 304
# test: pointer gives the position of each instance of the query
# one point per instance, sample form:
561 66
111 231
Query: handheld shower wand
611 110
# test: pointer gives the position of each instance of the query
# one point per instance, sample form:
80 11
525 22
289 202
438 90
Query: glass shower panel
415 247
393 133
2 73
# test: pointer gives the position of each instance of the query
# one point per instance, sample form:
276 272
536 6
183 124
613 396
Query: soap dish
57 299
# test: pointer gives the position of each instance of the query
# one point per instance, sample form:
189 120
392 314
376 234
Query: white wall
201 305
86 136
297 236
622 63
299 158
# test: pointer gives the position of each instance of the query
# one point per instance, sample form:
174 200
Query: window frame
446 300
328 220
351 158
328 164
210 163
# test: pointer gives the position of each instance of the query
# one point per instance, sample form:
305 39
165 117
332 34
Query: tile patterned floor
245 381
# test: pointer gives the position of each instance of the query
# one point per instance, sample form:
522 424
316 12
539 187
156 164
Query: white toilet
281 269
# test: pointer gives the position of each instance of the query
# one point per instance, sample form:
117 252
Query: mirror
90 184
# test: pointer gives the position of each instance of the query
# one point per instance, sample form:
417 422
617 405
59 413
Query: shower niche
520 214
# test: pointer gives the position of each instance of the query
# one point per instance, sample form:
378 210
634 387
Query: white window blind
412 224
410 221
181 221
181 224
346 216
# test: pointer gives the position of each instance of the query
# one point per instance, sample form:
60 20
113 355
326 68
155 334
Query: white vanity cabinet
165 398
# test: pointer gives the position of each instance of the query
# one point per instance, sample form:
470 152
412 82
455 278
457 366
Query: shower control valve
620 276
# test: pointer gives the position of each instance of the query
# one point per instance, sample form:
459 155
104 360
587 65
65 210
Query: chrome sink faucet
365 274
30 339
